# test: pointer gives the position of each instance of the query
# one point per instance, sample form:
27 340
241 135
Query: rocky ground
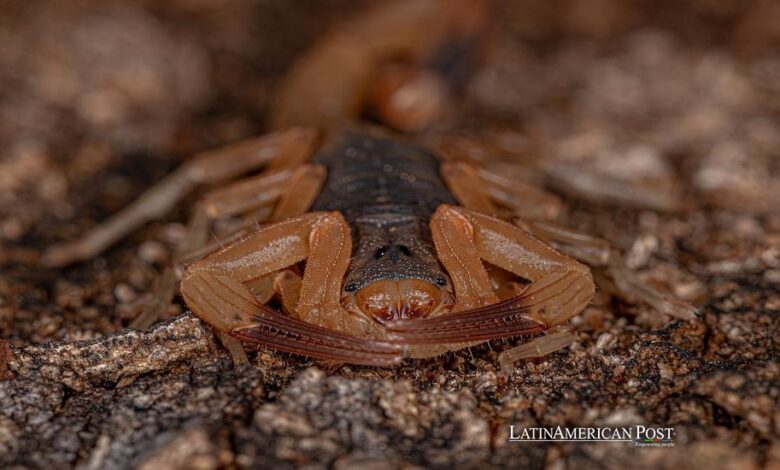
678 100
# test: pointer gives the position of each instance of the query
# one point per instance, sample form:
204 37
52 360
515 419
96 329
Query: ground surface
683 95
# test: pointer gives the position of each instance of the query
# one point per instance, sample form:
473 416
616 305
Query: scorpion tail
398 61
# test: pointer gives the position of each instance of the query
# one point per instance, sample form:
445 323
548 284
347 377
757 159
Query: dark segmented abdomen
371 175
388 190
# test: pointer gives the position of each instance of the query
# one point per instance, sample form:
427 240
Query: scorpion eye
405 250
380 252
440 281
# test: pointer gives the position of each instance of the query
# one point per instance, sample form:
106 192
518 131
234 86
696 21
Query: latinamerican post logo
641 436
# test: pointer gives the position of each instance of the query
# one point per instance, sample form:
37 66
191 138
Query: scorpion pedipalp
278 331
500 320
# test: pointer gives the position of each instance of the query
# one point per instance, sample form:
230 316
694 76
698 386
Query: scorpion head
394 274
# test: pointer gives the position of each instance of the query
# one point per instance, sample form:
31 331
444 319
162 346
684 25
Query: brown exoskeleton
373 247
390 258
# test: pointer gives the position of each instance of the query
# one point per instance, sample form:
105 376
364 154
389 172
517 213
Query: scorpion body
387 189
371 248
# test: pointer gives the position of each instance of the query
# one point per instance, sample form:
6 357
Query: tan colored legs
222 203
299 192
278 186
486 191
464 183
557 338
216 205
523 199
215 288
290 190
269 197
219 204
596 252
288 285
210 167
560 287
600 254
592 250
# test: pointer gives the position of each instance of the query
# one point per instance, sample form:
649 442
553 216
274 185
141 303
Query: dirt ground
678 100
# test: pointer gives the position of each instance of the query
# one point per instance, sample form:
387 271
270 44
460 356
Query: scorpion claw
288 334
500 320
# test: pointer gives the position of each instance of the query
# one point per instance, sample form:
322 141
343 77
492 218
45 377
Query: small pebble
153 252
124 293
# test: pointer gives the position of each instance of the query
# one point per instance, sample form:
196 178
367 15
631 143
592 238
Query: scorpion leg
300 192
460 178
294 190
295 193
297 196
560 287
215 290
236 198
219 204
592 250
556 338
520 198
210 167
600 254
288 285
290 192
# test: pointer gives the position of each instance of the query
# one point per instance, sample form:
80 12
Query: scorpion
364 245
